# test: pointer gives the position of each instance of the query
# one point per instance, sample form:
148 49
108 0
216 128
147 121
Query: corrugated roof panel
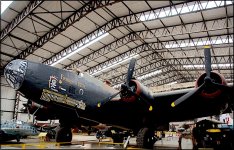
62 40
73 33
85 25
194 17
118 9
52 47
158 4
137 6
137 27
153 24
209 14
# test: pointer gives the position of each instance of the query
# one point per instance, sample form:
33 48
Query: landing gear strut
64 134
145 138
18 138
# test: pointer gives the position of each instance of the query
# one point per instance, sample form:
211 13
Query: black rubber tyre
145 138
64 135
17 138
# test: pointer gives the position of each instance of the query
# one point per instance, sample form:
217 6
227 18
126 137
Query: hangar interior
166 38
100 37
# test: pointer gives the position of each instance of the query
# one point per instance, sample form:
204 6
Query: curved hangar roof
100 37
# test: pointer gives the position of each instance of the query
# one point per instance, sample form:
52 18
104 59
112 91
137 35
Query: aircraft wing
195 106
129 113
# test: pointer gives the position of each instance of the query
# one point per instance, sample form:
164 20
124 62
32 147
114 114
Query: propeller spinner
125 88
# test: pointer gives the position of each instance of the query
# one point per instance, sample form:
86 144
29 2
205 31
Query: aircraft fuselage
45 85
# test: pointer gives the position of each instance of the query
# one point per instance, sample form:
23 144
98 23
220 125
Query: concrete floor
90 142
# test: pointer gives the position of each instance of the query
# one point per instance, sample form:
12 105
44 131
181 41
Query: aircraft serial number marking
53 96
69 81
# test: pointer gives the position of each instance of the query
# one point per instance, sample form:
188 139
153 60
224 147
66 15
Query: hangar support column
16 106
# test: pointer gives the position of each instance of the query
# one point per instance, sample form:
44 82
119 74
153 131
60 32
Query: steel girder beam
167 75
157 80
147 34
189 28
139 71
127 20
196 61
121 70
161 63
20 17
170 79
142 48
212 40
104 50
160 78
183 70
137 50
77 15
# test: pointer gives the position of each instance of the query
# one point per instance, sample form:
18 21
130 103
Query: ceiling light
213 65
172 83
81 48
149 75
4 5
115 63
200 43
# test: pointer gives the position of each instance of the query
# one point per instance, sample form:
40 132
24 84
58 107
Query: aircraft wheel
64 135
18 138
145 138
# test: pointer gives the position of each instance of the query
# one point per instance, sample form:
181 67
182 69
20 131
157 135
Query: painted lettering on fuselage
53 83
81 85
65 79
71 89
48 96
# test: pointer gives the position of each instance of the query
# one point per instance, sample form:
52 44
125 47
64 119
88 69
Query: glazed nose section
14 73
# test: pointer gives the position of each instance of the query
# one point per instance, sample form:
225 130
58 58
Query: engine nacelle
139 89
211 92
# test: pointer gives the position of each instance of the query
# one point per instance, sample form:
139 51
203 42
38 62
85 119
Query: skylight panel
5 5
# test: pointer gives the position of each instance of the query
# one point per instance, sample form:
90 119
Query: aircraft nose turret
14 73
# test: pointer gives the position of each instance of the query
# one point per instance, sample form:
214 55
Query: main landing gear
64 134
145 138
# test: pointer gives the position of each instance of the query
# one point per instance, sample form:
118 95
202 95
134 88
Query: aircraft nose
14 73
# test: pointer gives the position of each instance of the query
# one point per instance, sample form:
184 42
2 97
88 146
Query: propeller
207 61
207 80
188 95
126 87
108 99
130 71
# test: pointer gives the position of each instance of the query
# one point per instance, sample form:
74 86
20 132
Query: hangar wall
8 96
23 116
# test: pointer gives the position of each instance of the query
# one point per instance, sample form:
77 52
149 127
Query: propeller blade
188 95
144 100
207 61
108 99
130 70
222 87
